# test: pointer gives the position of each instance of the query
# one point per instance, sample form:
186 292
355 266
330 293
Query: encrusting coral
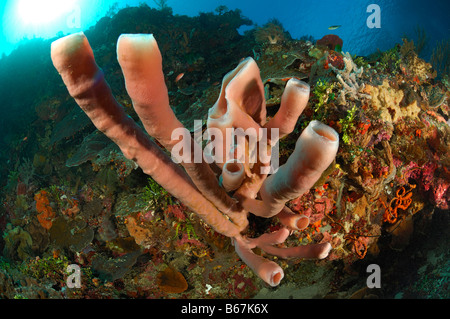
171 281
241 105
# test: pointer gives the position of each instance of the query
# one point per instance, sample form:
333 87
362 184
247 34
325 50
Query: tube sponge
141 62
241 105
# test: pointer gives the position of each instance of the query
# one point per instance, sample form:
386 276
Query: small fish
179 76
334 27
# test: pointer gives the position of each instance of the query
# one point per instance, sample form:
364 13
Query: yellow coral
387 100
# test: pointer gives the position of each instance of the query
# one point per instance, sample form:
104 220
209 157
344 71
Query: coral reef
70 196
272 32
331 42
45 212
171 281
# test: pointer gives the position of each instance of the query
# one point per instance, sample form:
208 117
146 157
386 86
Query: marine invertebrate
45 211
422 39
348 78
401 200
171 281
241 105
331 42
386 99
359 246
161 5
347 124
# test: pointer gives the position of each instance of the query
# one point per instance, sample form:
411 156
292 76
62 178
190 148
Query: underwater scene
204 150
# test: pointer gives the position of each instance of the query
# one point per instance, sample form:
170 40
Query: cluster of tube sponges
244 186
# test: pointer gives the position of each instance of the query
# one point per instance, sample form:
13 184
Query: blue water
311 18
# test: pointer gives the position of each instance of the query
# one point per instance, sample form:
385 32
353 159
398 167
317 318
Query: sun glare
43 11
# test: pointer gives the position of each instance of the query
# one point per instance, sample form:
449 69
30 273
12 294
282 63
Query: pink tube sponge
141 63
241 105
267 270
242 93
291 220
